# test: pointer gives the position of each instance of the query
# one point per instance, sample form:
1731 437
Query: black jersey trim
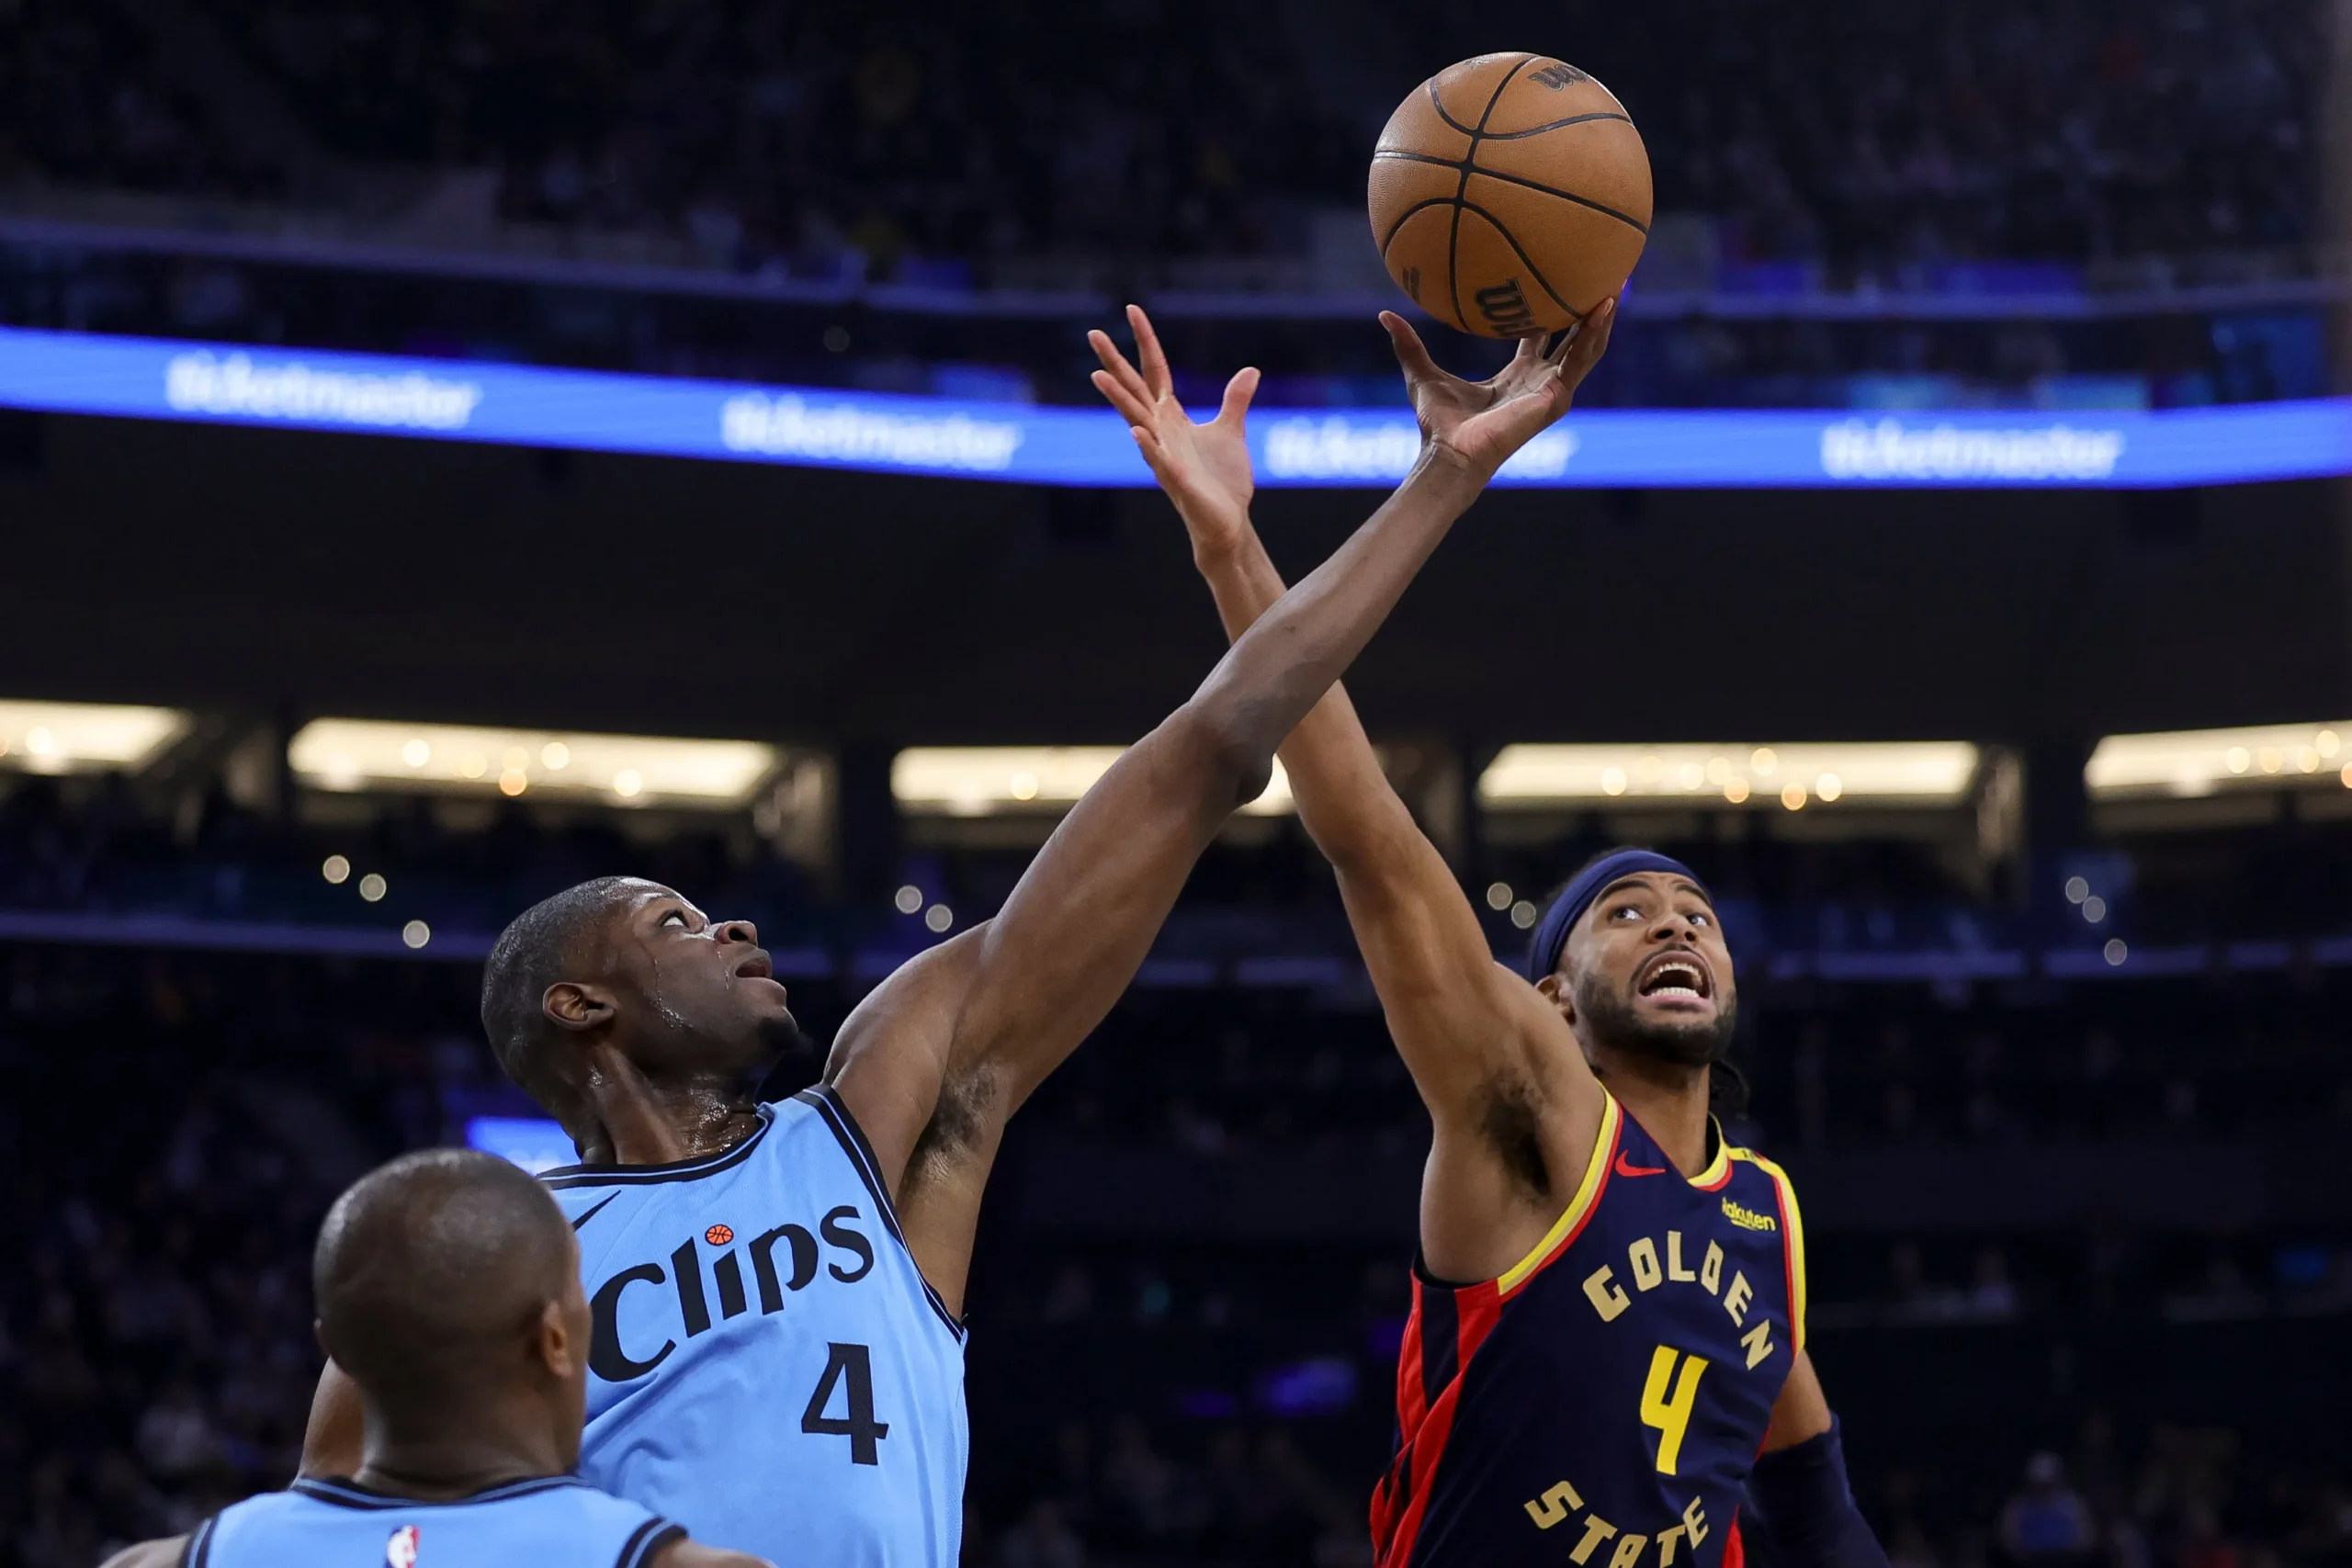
197 1549
852 1137
569 1175
348 1494
648 1538
829 1105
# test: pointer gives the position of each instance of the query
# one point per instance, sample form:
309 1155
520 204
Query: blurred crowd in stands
919 140
2009 152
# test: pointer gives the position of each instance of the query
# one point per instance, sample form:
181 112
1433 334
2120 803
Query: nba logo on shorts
400 1550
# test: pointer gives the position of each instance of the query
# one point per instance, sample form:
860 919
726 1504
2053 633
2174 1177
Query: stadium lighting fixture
2185 764
996 781
1902 773
80 738
348 754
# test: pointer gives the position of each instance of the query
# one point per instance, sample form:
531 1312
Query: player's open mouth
1674 976
758 967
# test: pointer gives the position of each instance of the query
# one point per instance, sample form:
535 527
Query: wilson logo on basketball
400 1550
1558 74
1505 308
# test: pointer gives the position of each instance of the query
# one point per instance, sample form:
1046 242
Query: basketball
1509 194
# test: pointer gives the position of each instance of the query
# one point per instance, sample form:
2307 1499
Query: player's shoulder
1773 1186
1767 1168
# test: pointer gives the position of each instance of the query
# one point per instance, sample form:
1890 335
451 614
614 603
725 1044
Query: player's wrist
1443 462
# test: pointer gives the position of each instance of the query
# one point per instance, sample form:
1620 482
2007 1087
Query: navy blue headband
1543 953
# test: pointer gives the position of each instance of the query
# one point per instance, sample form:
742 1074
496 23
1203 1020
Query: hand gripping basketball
1479 424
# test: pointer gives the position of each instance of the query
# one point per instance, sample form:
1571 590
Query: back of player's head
432 1276
533 953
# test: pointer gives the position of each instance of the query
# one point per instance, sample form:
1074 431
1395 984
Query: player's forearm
1343 797
1291 653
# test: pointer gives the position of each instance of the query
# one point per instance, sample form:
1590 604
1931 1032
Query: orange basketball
1510 194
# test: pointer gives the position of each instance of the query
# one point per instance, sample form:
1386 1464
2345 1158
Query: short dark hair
428 1270
530 955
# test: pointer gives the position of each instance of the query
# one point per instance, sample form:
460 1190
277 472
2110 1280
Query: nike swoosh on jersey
1623 1170
610 1196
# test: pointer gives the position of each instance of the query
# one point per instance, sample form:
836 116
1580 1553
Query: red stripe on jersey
1410 1408
1788 1271
1734 1549
1403 1495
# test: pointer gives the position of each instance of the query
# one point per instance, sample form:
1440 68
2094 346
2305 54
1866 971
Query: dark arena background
457 447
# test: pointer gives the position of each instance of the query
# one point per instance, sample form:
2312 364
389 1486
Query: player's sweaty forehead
637 908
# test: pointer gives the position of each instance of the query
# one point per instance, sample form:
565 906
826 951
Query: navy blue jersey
766 1364
553 1522
1602 1402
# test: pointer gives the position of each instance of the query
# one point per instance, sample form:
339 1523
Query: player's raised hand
1480 424
1204 469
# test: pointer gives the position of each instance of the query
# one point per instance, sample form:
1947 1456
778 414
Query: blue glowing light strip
877 433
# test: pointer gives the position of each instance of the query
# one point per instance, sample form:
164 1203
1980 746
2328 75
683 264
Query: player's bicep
1461 1021
334 1441
1079 922
149 1555
891 1057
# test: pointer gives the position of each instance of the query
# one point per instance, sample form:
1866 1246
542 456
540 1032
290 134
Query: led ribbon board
460 400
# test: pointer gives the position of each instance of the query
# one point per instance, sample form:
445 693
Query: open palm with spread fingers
1204 469
1481 423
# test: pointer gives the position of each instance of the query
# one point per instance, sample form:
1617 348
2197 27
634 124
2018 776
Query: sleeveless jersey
767 1366
1601 1403
553 1522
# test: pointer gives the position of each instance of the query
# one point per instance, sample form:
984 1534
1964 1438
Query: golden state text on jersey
1600 1404
766 1364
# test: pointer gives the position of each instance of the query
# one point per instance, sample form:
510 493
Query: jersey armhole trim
647 1541
1580 1207
852 1137
1793 1221
197 1549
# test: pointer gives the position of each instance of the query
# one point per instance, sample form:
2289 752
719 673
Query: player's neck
1669 1099
642 1120
486 1448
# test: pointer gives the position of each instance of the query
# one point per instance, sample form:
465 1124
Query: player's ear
558 1350
1557 990
575 1005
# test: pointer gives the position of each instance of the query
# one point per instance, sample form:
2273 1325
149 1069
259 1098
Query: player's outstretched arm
149 1555
1480 1042
937 1059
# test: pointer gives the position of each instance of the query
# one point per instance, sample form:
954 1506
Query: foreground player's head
449 1287
621 967
1632 954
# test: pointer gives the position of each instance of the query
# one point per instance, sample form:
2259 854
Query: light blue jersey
555 1522
768 1367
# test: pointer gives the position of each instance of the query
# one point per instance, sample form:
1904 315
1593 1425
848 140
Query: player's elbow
1225 748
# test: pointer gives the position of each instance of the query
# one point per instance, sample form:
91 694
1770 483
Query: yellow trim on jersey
1719 1167
1595 1169
1796 1240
